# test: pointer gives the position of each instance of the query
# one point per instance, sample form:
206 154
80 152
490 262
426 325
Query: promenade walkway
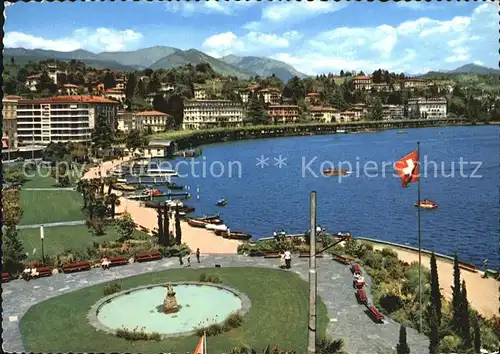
50 189
347 318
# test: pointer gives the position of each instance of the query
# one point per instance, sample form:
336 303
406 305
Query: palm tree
113 201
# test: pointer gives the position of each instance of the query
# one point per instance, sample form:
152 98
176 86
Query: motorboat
235 235
214 227
221 202
426 204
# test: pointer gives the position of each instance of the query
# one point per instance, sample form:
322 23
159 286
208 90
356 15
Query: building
157 121
125 121
393 112
69 90
201 114
324 114
442 85
166 87
157 149
381 87
32 82
284 113
412 84
96 87
115 94
347 116
54 72
61 118
9 128
431 108
312 98
362 82
270 95
200 94
120 84
360 111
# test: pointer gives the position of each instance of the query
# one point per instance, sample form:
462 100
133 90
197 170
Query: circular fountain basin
201 305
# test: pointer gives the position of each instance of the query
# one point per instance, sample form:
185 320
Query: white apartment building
158 121
201 114
362 82
393 111
115 94
61 118
431 108
125 121
9 128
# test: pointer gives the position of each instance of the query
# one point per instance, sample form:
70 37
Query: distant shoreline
189 139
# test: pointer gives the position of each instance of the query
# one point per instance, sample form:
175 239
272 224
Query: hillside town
56 101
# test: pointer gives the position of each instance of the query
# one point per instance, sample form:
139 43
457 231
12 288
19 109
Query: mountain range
163 57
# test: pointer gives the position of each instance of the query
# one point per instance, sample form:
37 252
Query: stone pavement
347 318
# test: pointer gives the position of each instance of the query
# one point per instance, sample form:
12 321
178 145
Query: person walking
288 259
198 255
180 259
189 260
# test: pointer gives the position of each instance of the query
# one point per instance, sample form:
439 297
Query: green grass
61 238
51 206
278 316
42 179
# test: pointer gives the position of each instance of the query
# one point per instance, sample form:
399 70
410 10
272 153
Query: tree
142 89
125 227
102 136
12 211
256 112
433 329
402 347
477 337
341 73
12 61
295 89
12 248
131 86
161 239
175 107
435 292
456 296
464 318
166 225
377 112
154 84
109 80
135 140
178 231
46 85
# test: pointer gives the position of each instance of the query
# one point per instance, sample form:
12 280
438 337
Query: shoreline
482 293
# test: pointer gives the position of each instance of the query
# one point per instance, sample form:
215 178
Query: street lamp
41 238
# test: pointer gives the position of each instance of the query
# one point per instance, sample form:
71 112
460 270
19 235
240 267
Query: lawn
61 238
278 316
51 206
42 178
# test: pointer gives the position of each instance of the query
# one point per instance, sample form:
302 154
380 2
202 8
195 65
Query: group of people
181 262
105 263
30 273
279 236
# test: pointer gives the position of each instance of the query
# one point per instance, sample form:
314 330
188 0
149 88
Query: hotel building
362 82
201 114
9 129
324 114
284 113
62 118
393 111
431 108
158 121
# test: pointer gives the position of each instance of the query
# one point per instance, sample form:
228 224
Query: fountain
170 303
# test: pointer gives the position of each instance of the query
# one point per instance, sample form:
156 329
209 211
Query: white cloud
96 40
188 9
280 13
417 5
412 46
255 43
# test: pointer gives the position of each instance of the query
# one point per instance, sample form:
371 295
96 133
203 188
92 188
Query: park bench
377 316
306 255
5 277
361 295
76 267
150 256
358 284
272 255
44 272
254 253
355 268
341 259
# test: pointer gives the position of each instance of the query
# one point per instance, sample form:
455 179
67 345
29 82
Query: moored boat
235 235
173 186
336 172
214 227
426 204
221 202
123 187
197 223
209 217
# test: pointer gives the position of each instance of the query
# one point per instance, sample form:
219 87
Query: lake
459 171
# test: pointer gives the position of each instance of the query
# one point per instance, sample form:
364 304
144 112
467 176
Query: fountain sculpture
170 303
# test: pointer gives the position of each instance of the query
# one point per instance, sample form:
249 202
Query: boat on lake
336 172
426 204
235 235
196 223
214 227
123 187
401 132
174 186
221 202
210 220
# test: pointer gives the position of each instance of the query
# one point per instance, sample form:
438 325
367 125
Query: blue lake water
368 203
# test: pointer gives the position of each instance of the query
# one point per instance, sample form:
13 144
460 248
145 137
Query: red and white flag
408 168
202 346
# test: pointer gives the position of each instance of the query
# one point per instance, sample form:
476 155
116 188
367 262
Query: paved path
53 224
347 318
50 189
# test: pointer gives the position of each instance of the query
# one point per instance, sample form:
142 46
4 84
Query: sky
314 37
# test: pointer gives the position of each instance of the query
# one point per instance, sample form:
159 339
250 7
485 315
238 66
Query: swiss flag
408 168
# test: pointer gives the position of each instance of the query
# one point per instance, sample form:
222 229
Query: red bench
144 257
306 255
5 277
361 295
358 284
76 267
117 261
341 259
377 316
355 268
44 272
272 255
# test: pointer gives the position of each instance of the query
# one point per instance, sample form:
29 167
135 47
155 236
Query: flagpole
419 237
205 344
